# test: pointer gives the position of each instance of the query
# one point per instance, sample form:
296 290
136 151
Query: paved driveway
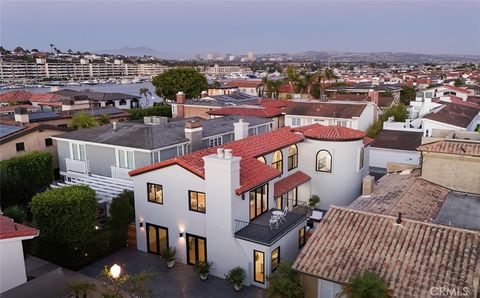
181 281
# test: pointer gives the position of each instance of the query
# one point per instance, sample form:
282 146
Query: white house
394 146
12 263
353 114
217 204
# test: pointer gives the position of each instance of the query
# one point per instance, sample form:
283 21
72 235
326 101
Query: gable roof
12 132
93 95
457 147
412 257
288 183
10 229
325 109
252 171
397 139
453 114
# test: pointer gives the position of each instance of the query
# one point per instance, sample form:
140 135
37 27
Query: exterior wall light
140 224
181 234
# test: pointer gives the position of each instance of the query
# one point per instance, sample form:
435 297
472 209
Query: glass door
157 238
259 266
196 249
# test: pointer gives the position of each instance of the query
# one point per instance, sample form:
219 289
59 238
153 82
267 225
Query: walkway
181 281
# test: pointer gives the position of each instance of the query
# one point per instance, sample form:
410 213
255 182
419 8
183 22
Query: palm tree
262 86
273 88
292 77
366 285
145 92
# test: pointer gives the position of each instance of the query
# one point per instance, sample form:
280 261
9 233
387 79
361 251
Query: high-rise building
250 56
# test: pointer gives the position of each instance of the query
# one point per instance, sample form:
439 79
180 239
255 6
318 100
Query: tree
65 215
399 113
367 285
407 94
145 92
188 80
83 120
216 84
104 119
16 213
160 110
292 77
121 211
18 50
285 282
459 82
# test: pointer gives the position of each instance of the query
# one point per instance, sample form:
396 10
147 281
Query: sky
183 28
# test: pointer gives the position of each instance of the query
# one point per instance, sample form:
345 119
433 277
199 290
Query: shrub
367 285
65 215
169 254
16 213
236 276
83 120
202 267
285 282
375 128
121 211
22 177
161 110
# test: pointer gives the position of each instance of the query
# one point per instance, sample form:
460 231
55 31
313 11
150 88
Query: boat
90 82
54 83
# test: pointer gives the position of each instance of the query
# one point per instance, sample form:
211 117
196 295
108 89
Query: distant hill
139 52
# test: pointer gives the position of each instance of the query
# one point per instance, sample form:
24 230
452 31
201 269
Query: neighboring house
246 86
105 154
12 263
451 116
27 97
368 88
444 90
216 204
382 102
18 139
412 256
393 146
353 115
101 99
185 108
5 110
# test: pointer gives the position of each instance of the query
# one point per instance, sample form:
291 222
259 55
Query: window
20 146
361 157
301 237
215 141
296 121
292 157
277 161
288 200
258 201
262 159
78 151
48 142
324 161
275 258
156 156
155 193
259 266
125 159
157 239
196 249
122 102
196 201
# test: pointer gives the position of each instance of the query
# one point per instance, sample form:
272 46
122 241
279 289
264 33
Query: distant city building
250 56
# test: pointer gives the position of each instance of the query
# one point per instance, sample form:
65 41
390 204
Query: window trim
23 146
125 153
278 161
187 246
278 260
316 161
302 238
294 157
148 193
255 266
215 141
190 201
72 155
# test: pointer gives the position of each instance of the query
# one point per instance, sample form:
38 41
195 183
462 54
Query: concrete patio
180 281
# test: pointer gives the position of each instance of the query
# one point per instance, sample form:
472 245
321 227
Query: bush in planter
16 213
313 201
203 268
285 282
236 277
168 254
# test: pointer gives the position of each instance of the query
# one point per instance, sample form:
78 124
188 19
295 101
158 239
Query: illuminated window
275 258
197 201
155 193
262 159
277 162
292 157
259 266
301 237
324 161
258 201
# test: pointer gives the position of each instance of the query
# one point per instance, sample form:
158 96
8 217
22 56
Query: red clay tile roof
367 141
457 89
22 95
325 109
453 114
244 111
252 171
273 103
6 109
9 229
412 257
457 100
452 147
330 133
290 182
244 83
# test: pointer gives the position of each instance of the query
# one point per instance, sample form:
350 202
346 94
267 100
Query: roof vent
399 218
220 152
228 153
114 126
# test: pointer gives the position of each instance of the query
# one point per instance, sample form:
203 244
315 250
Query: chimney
240 129
204 94
21 115
220 153
193 132
367 185
114 126
228 154
373 96
180 97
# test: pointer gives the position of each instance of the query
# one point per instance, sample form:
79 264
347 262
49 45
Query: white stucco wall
380 156
12 264
328 289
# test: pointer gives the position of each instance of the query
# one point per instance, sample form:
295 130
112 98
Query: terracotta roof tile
290 182
452 147
9 229
330 133
244 83
22 95
412 257
268 112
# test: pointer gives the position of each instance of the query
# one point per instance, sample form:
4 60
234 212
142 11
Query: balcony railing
260 231
77 166
120 173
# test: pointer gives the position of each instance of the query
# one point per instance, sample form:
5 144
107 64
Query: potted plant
202 268
168 255
313 201
236 277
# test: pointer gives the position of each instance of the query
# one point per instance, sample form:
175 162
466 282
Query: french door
196 249
157 238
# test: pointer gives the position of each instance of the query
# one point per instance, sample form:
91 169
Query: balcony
259 230
120 173
77 166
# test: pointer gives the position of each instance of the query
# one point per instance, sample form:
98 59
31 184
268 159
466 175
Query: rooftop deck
259 231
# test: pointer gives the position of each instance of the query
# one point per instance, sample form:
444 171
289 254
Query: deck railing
120 173
77 166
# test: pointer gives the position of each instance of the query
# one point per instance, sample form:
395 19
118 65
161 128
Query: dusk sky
184 28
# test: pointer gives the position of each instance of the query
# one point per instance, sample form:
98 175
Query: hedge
22 177
160 110
65 215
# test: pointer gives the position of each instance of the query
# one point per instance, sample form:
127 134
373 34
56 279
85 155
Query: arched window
262 159
361 157
324 161
292 157
277 161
